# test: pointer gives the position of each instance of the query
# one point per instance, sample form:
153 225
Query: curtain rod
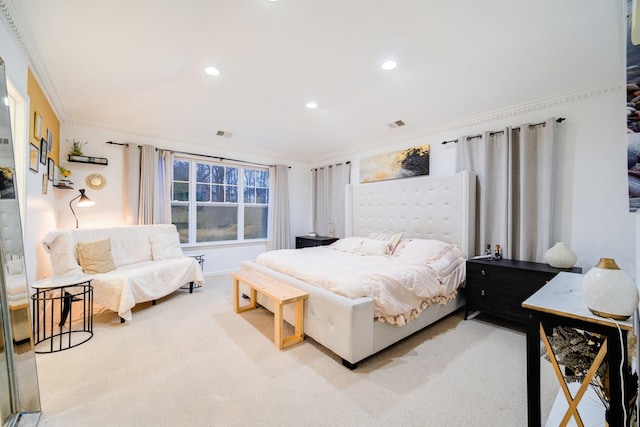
558 120
204 155
330 166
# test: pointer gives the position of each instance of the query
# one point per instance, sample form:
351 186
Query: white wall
591 204
39 212
108 209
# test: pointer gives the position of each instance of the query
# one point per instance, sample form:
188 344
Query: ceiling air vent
223 133
396 124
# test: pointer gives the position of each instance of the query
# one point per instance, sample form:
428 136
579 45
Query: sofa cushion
62 254
165 246
95 257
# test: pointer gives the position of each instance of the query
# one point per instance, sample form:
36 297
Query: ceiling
138 65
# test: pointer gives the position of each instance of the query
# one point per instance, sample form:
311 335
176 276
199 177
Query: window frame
240 205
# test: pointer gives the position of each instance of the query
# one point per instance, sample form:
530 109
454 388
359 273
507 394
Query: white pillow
421 251
346 244
165 246
373 247
62 253
392 239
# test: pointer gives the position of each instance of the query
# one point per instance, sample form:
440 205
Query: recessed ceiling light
389 65
312 105
212 71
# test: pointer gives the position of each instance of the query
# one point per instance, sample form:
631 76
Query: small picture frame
45 183
49 140
43 151
34 158
37 125
51 167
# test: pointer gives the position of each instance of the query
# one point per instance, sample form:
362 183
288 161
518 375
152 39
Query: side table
200 259
311 241
560 303
53 326
498 287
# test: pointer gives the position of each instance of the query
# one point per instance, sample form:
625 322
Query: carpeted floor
191 361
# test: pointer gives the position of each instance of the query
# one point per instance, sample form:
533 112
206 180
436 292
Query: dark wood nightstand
309 241
499 287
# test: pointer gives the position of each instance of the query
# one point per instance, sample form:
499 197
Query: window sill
225 244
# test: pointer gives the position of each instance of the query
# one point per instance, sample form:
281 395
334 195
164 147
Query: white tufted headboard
440 207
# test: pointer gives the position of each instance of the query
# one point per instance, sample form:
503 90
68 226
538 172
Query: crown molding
517 110
528 107
10 12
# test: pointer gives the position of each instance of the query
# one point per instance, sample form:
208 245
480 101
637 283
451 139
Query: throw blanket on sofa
149 263
418 273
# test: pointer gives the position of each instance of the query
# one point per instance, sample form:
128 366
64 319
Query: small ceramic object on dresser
560 256
609 292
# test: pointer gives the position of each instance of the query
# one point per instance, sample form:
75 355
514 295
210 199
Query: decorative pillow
346 244
95 257
62 256
393 240
165 246
373 247
421 251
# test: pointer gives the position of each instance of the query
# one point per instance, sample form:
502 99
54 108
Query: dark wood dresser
499 287
309 241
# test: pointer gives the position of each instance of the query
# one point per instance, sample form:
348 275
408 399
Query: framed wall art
51 167
399 164
37 125
45 183
7 186
34 160
43 151
49 140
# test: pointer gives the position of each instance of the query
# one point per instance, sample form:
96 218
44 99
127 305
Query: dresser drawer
526 282
505 302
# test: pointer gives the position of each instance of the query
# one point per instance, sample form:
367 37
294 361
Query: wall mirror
18 378
95 181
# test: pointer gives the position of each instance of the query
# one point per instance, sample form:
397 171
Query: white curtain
165 178
279 224
515 170
328 193
148 180
131 186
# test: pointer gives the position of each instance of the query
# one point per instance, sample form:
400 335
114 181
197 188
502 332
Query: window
212 202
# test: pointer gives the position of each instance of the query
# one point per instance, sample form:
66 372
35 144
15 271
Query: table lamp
609 291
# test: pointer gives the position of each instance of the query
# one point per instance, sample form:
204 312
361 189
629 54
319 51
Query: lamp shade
609 292
83 202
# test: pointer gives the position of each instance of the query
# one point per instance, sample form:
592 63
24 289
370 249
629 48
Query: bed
429 208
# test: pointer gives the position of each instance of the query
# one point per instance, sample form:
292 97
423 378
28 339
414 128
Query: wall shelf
63 184
87 159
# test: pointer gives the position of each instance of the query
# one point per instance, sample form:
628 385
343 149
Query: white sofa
149 263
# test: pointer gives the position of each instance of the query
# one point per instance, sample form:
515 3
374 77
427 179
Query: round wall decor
95 181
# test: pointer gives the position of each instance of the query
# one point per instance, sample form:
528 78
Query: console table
53 309
560 303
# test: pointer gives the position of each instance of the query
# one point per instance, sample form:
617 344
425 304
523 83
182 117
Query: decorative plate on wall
95 181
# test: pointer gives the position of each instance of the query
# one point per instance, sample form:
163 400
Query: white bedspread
400 290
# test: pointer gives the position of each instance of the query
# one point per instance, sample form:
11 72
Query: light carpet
191 361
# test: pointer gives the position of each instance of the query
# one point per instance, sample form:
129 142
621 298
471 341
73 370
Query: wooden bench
278 292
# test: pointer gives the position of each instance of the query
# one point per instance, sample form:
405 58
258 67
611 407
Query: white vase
560 256
609 291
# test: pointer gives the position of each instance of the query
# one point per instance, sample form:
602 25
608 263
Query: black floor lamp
84 201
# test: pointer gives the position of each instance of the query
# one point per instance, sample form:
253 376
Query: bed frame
441 208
